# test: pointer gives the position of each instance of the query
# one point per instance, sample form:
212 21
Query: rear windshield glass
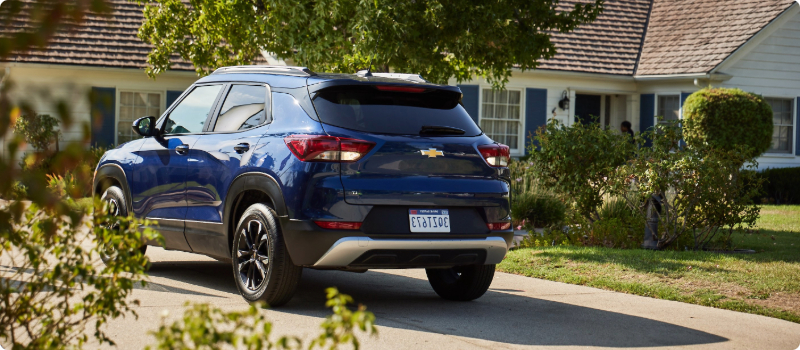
366 108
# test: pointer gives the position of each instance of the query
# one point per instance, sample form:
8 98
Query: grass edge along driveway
765 283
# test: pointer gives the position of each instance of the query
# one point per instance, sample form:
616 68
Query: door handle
182 149
242 147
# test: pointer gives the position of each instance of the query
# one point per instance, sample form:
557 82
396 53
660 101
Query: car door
219 155
158 181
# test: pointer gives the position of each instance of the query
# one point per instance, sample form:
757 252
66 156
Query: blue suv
277 169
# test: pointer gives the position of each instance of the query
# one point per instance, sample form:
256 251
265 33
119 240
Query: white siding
33 82
771 68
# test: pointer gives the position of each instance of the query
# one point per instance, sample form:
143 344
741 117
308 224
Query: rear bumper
312 246
368 252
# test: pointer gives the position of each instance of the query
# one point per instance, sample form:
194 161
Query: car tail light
321 148
339 225
399 88
499 226
497 155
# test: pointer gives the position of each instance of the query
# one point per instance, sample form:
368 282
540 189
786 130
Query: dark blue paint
535 113
471 100
103 116
647 105
188 193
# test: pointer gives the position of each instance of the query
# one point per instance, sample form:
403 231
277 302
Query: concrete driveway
517 312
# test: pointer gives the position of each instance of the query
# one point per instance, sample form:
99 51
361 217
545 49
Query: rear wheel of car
461 283
262 268
115 198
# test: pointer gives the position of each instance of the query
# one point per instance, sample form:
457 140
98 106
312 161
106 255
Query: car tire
262 268
461 283
117 207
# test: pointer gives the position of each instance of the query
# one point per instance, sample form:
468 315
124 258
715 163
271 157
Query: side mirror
145 126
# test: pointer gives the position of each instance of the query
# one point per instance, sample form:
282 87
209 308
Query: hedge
782 185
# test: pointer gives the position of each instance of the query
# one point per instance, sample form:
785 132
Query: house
640 59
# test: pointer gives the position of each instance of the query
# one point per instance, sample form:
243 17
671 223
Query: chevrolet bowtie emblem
432 153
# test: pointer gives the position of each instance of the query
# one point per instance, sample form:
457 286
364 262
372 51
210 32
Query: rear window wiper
440 130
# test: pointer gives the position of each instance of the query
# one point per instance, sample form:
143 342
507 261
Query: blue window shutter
103 101
172 96
535 112
471 100
797 127
684 95
647 105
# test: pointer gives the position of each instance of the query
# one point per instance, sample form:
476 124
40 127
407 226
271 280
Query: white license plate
429 220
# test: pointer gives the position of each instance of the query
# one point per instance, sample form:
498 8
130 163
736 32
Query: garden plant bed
765 283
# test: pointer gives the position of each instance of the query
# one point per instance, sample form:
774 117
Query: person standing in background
626 129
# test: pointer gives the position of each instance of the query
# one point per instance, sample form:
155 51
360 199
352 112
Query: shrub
701 190
537 209
549 238
205 327
64 186
727 119
522 180
781 186
54 288
576 162
38 130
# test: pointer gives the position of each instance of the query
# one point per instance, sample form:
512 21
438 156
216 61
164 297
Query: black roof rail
279 70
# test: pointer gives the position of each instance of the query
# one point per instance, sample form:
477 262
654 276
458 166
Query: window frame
519 148
792 134
212 121
657 103
118 107
214 108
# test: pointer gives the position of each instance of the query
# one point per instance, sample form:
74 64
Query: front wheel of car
461 283
262 268
115 201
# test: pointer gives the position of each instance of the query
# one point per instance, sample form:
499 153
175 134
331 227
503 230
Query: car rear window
392 109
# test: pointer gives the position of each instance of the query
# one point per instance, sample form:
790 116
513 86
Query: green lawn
765 283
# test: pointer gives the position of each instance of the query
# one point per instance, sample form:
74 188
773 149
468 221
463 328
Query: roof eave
717 77
574 74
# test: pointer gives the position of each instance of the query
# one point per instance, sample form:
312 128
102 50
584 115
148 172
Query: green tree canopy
439 39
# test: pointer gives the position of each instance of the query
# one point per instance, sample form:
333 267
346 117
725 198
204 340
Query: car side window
245 107
190 115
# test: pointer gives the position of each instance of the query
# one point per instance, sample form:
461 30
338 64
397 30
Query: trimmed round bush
539 210
726 118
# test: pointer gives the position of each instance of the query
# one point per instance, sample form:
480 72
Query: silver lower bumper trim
348 249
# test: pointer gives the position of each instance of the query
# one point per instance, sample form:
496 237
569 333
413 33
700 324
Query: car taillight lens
497 155
339 225
320 148
499 226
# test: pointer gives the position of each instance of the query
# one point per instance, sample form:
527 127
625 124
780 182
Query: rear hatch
426 146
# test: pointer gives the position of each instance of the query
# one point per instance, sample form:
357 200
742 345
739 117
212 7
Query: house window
134 105
782 123
502 116
669 107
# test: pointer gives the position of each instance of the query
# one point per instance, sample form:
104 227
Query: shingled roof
99 41
608 45
672 37
694 36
